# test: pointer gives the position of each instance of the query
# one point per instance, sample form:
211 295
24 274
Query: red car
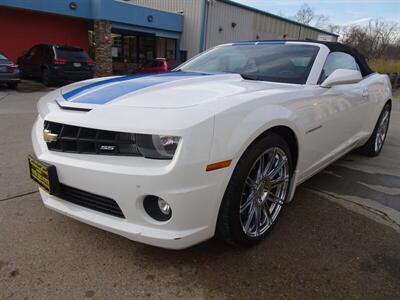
158 65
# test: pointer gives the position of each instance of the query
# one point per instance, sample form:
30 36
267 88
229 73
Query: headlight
157 146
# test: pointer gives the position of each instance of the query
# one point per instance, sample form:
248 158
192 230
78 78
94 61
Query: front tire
46 78
256 193
12 85
375 143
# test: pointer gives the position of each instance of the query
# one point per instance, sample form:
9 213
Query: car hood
168 90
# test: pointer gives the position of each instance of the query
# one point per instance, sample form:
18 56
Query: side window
48 54
31 52
338 60
40 52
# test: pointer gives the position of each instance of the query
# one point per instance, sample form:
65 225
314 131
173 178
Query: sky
339 12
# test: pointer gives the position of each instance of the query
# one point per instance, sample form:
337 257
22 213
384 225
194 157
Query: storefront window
166 48
171 49
116 50
161 47
130 49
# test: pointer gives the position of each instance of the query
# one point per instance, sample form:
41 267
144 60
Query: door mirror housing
342 76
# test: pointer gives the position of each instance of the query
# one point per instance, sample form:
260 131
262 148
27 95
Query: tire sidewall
46 77
235 187
385 108
13 85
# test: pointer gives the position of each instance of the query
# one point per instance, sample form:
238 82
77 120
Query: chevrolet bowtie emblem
49 137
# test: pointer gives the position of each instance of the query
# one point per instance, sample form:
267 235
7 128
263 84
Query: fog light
164 206
157 208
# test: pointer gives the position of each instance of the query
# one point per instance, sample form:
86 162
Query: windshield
267 61
72 54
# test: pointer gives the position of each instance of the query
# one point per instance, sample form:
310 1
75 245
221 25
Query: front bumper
71 75
10 77
193 194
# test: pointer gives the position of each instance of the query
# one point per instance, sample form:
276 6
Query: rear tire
12 85
46 78
377 139
24 74
256 193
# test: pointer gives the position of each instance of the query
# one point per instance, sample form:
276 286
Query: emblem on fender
49 137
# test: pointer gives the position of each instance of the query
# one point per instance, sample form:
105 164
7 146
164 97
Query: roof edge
237 4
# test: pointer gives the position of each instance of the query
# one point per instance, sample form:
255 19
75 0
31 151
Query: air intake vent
74 139
89 200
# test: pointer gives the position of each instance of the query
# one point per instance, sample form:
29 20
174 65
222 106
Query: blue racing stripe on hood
101 92
81 89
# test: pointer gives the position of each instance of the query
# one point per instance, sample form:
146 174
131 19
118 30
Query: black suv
56 64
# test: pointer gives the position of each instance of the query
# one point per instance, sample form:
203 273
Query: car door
37 61
352 105
27 63
336 116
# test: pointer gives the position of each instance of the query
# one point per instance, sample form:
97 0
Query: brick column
103 44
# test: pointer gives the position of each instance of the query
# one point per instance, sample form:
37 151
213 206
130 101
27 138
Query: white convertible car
216 147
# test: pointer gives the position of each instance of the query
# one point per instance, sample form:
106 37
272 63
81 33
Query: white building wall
220 18
250 25
192 11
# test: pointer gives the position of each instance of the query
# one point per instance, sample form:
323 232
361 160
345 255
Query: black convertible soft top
338 47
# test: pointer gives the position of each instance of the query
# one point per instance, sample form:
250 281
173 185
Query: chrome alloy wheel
264 192
382 131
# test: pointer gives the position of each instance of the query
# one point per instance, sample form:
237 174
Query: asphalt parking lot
339 238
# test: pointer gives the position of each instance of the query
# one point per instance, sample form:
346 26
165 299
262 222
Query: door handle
365 93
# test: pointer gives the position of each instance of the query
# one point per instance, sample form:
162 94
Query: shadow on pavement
346 181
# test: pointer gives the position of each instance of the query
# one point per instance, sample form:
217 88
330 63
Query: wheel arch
290 138
286 131
288 134
235 131
389 101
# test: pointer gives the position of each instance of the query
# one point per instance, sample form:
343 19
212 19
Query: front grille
76 139
89 200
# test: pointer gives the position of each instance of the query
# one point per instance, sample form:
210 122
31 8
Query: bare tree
333 28
305 14
375 40
321 21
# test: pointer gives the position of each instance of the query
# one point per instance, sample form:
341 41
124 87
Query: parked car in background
54 64
158 65
9 72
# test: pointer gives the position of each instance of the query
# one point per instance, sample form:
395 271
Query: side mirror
342 76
